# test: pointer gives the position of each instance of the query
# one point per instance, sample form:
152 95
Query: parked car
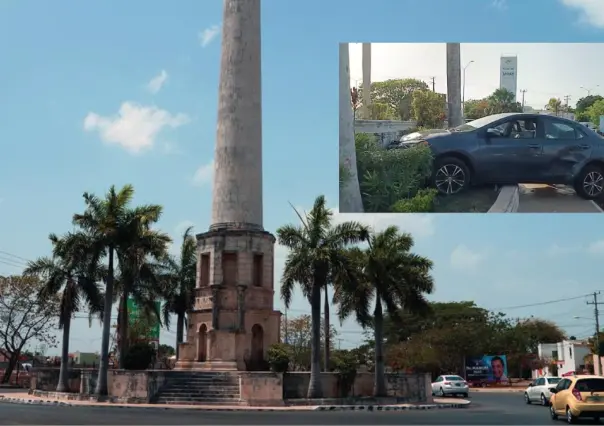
538 390
578 397
450 385
515 148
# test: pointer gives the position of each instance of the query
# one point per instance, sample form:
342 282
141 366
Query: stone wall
261 388
405 387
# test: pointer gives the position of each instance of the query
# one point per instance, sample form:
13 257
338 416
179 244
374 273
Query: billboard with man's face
487 368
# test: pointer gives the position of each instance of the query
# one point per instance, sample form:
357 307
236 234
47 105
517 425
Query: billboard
508 74
602 124
135 315
487 368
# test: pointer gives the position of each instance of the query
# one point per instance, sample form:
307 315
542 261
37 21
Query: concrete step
198 392
198 395
203 382
230 389
198 401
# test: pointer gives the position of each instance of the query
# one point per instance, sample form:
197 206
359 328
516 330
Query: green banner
149 327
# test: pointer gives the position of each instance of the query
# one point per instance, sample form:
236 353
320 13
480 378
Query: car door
511 155
565 150
537 389
562 394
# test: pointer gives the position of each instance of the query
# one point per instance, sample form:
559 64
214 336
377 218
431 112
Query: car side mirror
553 390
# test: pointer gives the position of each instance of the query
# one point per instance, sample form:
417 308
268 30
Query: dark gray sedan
515 148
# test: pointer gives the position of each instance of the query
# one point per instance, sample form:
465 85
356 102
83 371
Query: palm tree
554 105
179 280
389 276
67 271
111 222
316 251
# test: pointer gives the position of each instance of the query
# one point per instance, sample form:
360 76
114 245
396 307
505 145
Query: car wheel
450 176
526 398
590 183
552 412
464 395
596 420
544 401
441 392
570 418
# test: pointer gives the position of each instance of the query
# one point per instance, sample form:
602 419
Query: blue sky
70 70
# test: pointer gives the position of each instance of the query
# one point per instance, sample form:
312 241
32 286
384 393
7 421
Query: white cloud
157 82
135 127
465 259
204 174
591 11
581 67
418 225
206 36
596 248
500 4
557 250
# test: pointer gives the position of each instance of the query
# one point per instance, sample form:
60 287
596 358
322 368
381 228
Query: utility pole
597 337
433 84
523 91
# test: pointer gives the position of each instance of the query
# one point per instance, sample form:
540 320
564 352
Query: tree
595 111
584 103
350 191
428 108
111 225
179 277
24 317
397 95
390 276
67 275
502 100
554 105
316 253
296 333
476 108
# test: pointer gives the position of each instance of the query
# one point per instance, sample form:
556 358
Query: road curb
507 201
388 407
24 401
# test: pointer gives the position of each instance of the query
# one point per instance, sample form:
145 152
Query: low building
568 356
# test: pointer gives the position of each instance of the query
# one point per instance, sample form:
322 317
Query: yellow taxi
578 396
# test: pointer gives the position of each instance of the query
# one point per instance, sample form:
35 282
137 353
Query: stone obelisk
233 322
237 194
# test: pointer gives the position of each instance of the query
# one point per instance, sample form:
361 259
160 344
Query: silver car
450 385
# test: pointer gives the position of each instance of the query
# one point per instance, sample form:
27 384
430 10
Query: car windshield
453 378
477 124
590 385
553 380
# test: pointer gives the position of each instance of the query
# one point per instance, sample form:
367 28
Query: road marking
597 206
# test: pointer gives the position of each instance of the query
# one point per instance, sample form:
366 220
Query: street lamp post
589 90
463 91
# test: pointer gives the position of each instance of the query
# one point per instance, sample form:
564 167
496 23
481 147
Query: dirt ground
477 199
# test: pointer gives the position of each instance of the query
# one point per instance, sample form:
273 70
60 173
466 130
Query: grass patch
477 199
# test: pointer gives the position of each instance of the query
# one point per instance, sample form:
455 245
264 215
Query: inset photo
471 128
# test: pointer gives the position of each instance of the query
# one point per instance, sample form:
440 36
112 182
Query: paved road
486 409
552 199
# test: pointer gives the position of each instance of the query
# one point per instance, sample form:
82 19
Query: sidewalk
536 198
25 398
498 390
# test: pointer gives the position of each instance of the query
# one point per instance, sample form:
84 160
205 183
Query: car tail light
424 143
447 383
577 395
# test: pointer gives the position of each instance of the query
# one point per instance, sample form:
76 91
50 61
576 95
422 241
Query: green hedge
394 180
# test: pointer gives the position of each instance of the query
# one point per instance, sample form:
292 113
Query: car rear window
590 385
553 380
453 378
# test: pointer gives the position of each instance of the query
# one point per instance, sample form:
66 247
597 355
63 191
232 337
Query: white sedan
450 385
538 391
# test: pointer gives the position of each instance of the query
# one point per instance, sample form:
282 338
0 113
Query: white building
569 355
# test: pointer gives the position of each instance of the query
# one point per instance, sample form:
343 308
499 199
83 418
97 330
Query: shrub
388 176
345 364
422 202
278 358
140 356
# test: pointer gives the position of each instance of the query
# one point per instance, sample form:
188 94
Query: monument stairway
199 388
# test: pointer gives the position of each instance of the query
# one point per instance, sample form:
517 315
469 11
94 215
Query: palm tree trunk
350 191
180 328
101 384
326 327
63 385
123 326
314 386
380 376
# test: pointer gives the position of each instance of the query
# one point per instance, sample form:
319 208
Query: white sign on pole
508 74
602 123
